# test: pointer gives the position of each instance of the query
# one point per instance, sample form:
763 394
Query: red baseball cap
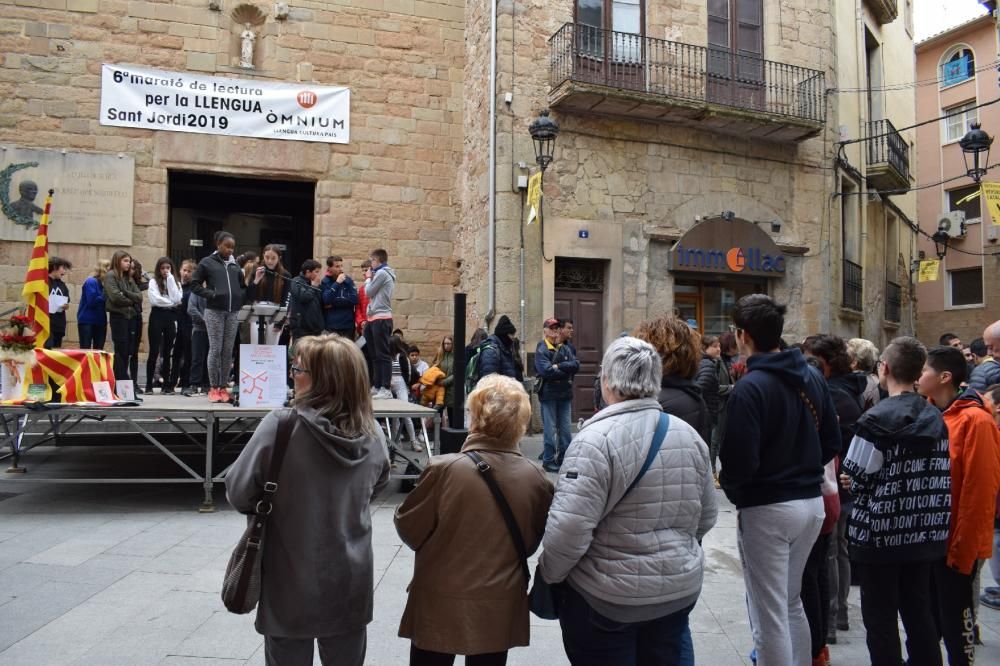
551 322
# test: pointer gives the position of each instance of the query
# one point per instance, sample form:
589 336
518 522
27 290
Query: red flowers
17 338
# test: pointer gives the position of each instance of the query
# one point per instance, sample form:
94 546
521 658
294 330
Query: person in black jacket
899 471
498 354
782 430
57 288
305 305
219 280
556 365
182 350
847 389
707 377
680 348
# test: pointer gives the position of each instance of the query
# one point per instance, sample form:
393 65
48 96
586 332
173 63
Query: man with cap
498 354
555 366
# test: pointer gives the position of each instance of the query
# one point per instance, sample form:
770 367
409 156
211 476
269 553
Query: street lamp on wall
941 239
976 152
543 132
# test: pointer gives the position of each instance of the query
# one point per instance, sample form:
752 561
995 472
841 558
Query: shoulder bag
241 586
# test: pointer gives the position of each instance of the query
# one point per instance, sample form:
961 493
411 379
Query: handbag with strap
241 586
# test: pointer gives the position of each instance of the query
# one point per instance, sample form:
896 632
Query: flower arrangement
17 340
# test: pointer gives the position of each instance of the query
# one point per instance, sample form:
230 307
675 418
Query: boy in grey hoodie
379 284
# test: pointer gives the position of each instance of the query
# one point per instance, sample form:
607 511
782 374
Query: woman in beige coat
469 595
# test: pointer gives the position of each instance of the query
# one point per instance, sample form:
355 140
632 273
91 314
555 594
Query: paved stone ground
131 575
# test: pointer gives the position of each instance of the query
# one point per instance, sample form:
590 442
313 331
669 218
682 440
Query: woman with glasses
317 573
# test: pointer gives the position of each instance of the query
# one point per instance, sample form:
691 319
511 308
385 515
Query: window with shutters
612 28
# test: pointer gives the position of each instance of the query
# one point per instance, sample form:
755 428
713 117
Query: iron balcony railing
887 146
893 301
852 286
586 54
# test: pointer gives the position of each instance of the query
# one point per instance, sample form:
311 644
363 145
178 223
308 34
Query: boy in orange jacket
974 450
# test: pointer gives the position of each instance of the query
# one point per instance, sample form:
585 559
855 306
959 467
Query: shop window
965 287
957 65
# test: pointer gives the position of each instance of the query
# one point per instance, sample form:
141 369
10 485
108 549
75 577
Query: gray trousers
340 650
774 542
839 569
222 328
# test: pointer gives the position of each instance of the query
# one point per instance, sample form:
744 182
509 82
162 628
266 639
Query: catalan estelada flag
36 282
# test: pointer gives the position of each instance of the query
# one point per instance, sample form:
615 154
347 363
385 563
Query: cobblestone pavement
131 575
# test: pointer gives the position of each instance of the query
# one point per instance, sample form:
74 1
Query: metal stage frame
212 428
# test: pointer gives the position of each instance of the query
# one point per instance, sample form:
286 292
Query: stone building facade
963 300
674 116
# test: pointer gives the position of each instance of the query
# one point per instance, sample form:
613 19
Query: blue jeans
556 416
590 639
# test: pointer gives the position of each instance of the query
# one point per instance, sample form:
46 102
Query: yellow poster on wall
991 197
929 269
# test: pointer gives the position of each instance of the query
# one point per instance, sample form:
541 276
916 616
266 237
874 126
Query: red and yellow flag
36 281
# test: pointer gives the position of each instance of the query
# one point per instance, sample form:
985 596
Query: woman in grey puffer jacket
630 558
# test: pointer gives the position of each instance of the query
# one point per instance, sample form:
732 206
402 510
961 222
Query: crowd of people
194 329
843 463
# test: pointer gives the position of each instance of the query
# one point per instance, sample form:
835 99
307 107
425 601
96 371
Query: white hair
864 353
632 368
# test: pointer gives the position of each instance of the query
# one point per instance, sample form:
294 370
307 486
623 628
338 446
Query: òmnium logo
307 99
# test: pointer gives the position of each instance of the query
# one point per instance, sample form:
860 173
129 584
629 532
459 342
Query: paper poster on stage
126 389
263 373
102 392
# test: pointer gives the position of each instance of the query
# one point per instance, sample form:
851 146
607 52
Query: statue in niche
247 39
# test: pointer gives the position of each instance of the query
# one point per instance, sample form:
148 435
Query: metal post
211 431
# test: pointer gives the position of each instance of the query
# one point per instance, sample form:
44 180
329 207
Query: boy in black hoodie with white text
898 470
58 288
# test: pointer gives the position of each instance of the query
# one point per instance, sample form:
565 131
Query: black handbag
241 586
543 598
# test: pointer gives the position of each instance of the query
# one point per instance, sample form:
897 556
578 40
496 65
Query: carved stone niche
247 20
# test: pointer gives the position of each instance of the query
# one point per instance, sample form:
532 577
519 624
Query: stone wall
393 186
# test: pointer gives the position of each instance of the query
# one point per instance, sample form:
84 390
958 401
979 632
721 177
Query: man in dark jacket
897 468
986 372
497 355
340 297
57 290
555 365
305 308
782 429
707 378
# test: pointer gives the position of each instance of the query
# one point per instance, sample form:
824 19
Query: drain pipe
492 273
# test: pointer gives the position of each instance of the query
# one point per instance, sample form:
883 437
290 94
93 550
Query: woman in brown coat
473 600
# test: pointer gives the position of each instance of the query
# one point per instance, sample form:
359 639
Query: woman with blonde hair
317 575
91 317
474 601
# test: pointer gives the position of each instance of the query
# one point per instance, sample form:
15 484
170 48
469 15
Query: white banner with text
182 102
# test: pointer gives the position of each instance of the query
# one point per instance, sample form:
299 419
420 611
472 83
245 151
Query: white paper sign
134 96
263 372
56 302
126 389
102 392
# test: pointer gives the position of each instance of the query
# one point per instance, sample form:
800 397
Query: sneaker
188 392
224 395
991 590
383 394
374 391
167 391
213 394
990 600
550 467
414 446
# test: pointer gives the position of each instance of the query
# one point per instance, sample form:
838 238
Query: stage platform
199 437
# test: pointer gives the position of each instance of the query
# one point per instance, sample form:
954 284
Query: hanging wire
912 84
920 124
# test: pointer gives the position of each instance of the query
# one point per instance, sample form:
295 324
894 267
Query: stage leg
208 505
20 425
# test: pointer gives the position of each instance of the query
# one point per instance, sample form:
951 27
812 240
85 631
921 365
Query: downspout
492 274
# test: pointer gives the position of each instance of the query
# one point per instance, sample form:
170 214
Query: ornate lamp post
976 152
941 238
543 132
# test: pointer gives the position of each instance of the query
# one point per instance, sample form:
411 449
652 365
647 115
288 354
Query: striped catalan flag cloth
36 281
73 371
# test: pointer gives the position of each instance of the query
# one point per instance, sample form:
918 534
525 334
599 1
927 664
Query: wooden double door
579 295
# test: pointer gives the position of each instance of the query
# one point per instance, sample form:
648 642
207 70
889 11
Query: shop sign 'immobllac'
729 247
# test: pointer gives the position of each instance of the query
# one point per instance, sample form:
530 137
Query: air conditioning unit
953 223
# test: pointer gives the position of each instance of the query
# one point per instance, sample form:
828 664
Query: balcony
893 301
888 157
621 74
885 11
852 286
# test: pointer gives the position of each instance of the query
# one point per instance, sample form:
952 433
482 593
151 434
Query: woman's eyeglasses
296 370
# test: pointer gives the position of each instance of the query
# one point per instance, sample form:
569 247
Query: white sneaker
373 391
383 394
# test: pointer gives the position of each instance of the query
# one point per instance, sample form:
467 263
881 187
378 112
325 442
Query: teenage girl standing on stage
164 297
121 294
219 280
271 283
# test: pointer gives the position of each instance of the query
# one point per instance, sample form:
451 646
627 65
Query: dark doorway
256 211
579 295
